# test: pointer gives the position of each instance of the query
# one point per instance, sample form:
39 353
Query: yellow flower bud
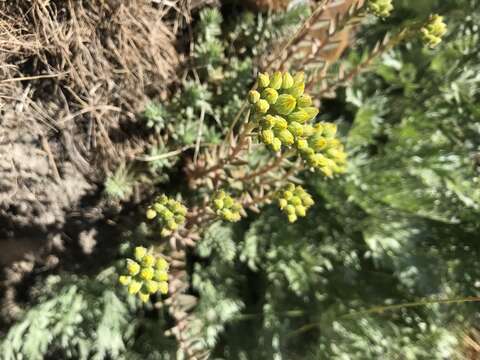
308 130
179 219
286 137
263 80
290 209
172 225
132 267
285 104
318 143
152 286
267 121
299 116
159 208
276 80
140 252
253 96
147 273
295 200
151 214
329 130
161 275
287 81
218 203
311 111
134 287
161 264
276 144
297 90
124 280
287 194
148 260
228 201
300 210
304 100
292 218
299 77
271 95
280 123
296 129
267 136
144 297
326 171
163 287
262 106
307 200
282 203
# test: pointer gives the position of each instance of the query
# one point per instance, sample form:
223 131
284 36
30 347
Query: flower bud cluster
322 151
226 207
146 274
294 201
433 32
283 113
380 8
281 108
169 214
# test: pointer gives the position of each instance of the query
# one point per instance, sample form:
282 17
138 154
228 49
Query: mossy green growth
294 201
226 207
433 32
146 274
168 213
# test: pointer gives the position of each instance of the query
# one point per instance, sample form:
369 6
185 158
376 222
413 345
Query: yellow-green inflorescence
226 207
169 213
294 201
284 114
146 274
380 8
433 32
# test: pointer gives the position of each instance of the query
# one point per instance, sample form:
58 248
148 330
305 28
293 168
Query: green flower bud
163 287
286 137
292 218
134 287
179 219
267 137
300 210
285 104
253 96
152 286
147 273
287 81
280 123
139 253
276 81
162 200
124 280
276 145
132 267
300 116
143 296
267 122
271 95
262 106
228 201
151 214
295 128
263 80
304 101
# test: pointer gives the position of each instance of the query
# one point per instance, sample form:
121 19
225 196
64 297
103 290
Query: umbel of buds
226 207
433 32
380 8
169 214
145 275
283 114
294 201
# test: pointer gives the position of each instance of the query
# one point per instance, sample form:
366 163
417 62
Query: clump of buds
282 112
226 207
294 201
380 8
146 274
433 32
169 213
